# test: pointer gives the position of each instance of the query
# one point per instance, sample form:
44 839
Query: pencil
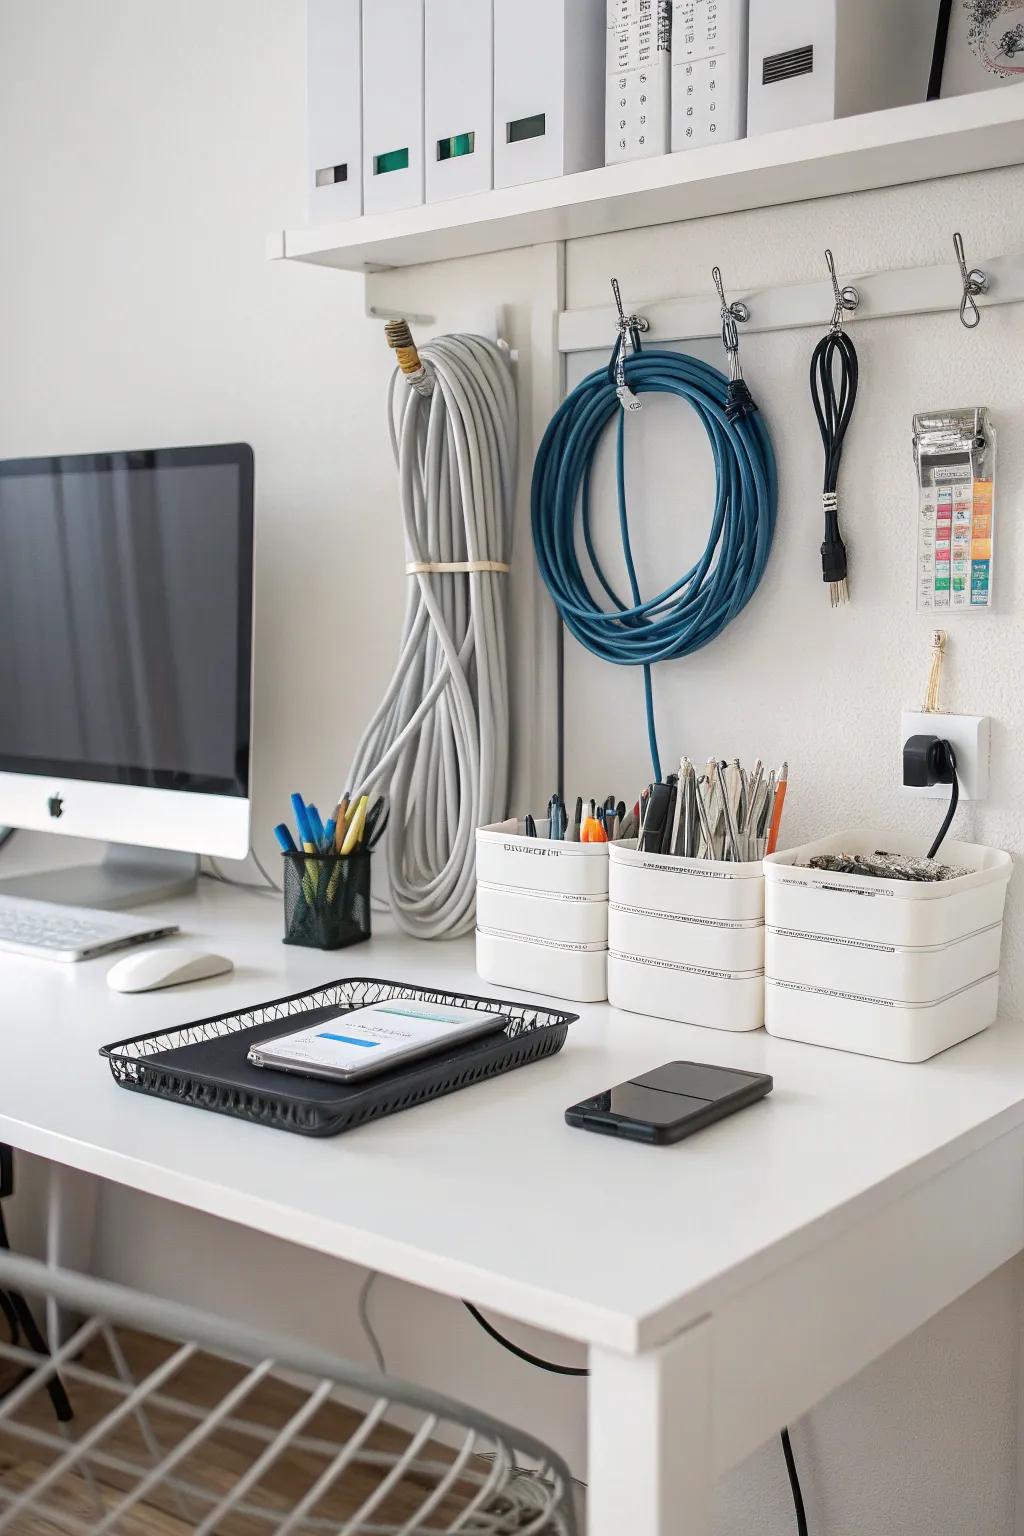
780 800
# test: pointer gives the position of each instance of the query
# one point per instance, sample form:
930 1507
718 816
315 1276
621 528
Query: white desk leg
649 1451
70 1229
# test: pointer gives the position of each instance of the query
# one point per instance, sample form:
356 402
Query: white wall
145 151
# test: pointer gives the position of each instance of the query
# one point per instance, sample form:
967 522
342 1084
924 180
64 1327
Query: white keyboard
51 932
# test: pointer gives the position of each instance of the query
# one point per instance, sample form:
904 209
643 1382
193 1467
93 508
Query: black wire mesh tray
205 1064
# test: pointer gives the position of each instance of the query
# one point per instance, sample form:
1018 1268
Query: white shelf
854 154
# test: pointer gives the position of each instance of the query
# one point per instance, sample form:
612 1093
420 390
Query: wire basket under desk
176 1422
204 1064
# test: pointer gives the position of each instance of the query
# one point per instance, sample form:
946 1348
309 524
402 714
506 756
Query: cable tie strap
453 567
739 402
830 501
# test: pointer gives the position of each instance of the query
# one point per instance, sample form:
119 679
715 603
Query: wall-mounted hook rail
882 295
974 282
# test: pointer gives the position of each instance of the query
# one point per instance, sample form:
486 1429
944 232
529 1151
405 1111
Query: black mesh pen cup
327 899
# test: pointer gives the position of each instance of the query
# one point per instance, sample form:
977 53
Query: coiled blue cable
703 600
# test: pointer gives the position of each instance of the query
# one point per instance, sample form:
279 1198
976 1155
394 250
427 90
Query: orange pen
779 802
592 831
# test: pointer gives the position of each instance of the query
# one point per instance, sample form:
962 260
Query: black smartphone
669 1103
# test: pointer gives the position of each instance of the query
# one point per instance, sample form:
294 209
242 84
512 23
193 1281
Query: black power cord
947 764
579 1370
794 1483
523 1354
835 372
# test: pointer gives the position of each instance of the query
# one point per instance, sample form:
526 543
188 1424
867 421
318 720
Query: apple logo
55 806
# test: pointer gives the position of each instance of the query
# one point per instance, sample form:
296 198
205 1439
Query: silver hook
730 314
629 326
975 281
847 298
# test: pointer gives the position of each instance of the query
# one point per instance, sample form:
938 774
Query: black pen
530 827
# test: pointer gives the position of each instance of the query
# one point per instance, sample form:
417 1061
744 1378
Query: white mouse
167 966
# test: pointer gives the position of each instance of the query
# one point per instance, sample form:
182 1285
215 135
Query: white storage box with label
686 938
392 105
458 99
549 60
542 912
334 110
894 968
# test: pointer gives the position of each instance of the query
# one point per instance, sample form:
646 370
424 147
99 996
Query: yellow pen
340 823
355 828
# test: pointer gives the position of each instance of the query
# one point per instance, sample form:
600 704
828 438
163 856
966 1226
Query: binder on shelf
709 72
813 63
392 105
334 110
638 79
549 60
458 99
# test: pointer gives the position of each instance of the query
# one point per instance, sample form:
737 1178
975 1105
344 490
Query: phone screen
362 1041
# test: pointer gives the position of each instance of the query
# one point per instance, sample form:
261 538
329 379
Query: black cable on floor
794 1483
523 1354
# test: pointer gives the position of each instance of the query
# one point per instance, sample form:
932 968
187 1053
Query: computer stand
127 877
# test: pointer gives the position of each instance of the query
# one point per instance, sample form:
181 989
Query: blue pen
329 832
316 826
284 837
302 820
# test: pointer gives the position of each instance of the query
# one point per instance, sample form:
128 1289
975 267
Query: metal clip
730 335
630 328
975 281
846 299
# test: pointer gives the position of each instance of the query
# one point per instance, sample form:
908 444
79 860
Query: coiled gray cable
438 742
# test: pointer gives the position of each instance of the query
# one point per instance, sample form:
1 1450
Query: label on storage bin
691 871
520 893
691 970
824 885
875 1002
683 917
520 938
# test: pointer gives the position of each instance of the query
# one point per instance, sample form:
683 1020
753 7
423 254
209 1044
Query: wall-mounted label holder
954 452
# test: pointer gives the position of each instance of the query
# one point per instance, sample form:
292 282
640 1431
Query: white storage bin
535 914
897 1031
687 887
506 856
686 938
574 971
891 968
688 994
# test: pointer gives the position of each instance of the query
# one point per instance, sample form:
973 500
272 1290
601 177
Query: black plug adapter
927 760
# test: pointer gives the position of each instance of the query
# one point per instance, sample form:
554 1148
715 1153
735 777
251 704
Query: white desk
723 1286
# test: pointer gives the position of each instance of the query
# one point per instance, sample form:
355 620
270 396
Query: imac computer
125 664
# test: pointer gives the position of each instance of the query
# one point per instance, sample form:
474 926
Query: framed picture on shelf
979 44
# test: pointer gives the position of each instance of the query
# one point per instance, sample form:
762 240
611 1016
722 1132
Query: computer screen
125 618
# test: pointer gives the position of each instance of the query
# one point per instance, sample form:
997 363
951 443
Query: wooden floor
78 1502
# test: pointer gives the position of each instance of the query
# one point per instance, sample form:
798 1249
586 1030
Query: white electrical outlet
969 736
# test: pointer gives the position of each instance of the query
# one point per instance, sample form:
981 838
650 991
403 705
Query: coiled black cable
835 372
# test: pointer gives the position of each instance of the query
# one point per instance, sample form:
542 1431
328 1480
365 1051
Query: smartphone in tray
361 1042
669 1103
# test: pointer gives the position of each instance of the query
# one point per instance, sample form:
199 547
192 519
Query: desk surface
487 1193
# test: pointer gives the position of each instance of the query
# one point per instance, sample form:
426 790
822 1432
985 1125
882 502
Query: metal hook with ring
630 328
847 299
731 313
975 281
